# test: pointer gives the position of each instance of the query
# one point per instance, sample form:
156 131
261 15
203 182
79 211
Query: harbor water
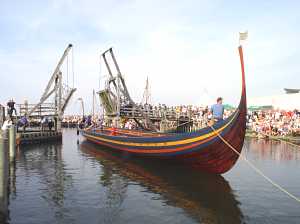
75 182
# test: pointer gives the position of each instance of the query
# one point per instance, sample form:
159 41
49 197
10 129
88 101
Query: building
288 101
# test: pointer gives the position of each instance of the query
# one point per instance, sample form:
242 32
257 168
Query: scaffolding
116 96
119 106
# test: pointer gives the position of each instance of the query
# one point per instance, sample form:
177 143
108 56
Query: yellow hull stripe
171 143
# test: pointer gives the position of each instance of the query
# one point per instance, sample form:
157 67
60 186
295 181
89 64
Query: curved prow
243 102
234 135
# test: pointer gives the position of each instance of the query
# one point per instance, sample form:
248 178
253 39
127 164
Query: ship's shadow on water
207 198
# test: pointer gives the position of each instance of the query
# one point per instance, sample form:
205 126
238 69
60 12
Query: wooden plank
38 137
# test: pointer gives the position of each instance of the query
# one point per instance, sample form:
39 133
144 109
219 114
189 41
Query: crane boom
52 79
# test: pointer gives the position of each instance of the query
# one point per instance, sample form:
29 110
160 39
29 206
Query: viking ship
214 149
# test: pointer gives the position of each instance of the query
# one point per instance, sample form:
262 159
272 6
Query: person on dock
11 108
44 123
50 124
23 122
217 110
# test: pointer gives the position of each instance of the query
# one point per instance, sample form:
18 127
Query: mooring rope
68 70
255 168
72 67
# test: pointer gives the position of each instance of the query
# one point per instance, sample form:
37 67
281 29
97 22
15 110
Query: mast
93 111
114 101
147 94
118 102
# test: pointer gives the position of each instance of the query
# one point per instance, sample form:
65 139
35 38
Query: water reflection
12 179
272 150
206 198
44 165
55 183
115 194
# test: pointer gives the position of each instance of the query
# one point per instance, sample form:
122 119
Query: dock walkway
38 137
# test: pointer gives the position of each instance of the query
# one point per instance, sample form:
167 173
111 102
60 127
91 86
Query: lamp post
82 105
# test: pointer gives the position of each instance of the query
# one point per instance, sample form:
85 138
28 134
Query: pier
38 137
7 160
31 124
41 122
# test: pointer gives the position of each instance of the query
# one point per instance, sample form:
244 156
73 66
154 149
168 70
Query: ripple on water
70 183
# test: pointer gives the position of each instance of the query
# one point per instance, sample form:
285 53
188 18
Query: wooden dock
38 137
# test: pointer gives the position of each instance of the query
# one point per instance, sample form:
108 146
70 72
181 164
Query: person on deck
217 110
88 121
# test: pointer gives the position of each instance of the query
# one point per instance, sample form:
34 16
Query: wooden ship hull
204 149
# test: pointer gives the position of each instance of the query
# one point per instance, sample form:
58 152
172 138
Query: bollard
12 142
4 166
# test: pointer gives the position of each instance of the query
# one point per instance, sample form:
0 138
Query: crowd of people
22 121
199 116
270 122
72 121
274 122
45 123
263 122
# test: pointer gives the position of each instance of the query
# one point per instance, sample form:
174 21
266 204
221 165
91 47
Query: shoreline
288 138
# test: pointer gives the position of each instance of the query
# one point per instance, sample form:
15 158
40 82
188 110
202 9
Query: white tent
283 101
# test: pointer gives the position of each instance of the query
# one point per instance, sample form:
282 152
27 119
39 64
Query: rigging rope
255 168
68 70
72 67
100 72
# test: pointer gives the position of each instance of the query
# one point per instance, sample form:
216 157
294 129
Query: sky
188 49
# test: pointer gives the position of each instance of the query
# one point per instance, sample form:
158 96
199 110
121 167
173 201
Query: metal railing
45 109
152 113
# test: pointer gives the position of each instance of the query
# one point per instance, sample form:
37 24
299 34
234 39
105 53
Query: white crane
61 98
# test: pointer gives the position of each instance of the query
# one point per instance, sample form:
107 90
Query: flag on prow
243 35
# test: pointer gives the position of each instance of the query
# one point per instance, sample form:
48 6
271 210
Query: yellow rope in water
255 168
